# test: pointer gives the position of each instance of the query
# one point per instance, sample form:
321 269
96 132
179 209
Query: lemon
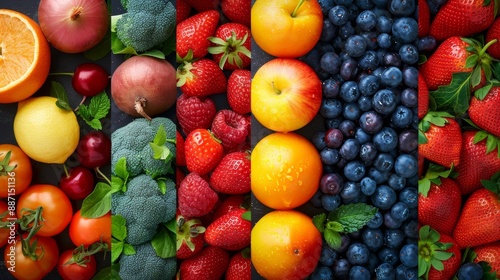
45 132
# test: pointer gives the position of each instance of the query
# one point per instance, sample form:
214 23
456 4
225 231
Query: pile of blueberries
367 59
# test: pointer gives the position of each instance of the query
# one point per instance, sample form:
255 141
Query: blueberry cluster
367 58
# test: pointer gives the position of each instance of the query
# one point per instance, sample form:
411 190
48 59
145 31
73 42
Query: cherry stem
61 74
99 172
297 8
65 170
81 102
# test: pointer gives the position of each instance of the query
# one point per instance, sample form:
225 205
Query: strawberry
437 249
232 175
183 10
201 78
190 237
203 151
480 217
489 253
424 18
179 176
484 111
439 200
492 34
229 204
231 128
231 231
478 160
238 91
195 197
180 156
203 5
192 33
230 46
240 266
237 10
462 18
440 139
423 97
210 263
193 112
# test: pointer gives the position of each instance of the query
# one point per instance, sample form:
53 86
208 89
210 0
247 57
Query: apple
285 94
286 28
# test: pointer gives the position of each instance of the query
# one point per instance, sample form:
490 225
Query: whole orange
286 28
286 169
285 245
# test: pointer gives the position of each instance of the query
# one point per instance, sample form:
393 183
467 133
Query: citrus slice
24 56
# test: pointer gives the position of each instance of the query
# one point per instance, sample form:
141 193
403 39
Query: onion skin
144 78
73 26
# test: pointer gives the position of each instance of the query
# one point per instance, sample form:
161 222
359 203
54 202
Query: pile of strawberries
459 138
213 162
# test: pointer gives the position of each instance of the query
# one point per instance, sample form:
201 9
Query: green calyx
431 252
431 118
4 164
493 184
231 49
433 176
187 230
479 60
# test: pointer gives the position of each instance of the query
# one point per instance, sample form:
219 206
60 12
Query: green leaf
118 227
471 61
162 185
495 67
118 47
422 266
120 178
247 216
98 203
437 264
57 90
164 243
154 53
335 226
128 249
442 256
116 249
99 105
454 97
160 136
476 76
333 239
319 222
100 50
160 152
482 92
110 272
172 225
353 216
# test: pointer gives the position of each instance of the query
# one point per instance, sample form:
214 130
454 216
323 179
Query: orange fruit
24 56
286 169
285 245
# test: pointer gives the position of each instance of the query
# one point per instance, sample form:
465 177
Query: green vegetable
146 24
146 264
144 207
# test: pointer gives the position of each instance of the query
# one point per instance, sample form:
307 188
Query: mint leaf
164 243
333 239
57 90
335 226
319 222
454 97
98 203
128 249
99 105
353 216
116 249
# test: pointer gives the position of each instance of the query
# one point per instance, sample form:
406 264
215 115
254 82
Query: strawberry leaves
231 49
433 175
432 118
493 184
432 253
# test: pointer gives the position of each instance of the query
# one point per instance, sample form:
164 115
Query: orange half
24 56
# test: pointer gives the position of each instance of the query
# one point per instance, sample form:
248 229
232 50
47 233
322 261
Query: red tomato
24 267
17 180
57 209
5 232
84 231
76 271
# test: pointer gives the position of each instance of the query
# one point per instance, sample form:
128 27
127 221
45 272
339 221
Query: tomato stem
29 250
297 8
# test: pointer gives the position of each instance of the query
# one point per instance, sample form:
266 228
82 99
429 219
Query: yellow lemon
45 132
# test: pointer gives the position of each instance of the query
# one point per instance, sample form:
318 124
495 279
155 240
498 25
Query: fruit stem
483 50
65 170
99 172
139 105
81 102
61 74
297 8
277 91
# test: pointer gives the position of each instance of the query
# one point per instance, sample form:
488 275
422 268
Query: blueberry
376 221
406 273
470 271
333 138
406 166
384 197
328 32
405 29
390 222
409 196
370 39
326 5
385 271
402 117
338 15
364 4
426 44
372 262
408 54
330 108
345 242
329 156
379 177
316 199
354 171
350 149
369 61
396 182
408 255
386 140
384 40
391 77
351 111
341 269
384 101
341 164
410 76
388 255
353 11
328 255
394 238
384 24
321 272
408 141
318 140
350 191
368 85
331 88
402 8
366 20
349 69
373 238
355 45
348 128
331 183
410 228
330 202
400 211
392 59
346 30
357 253
367 153
365 103
333 123
384 162
338 43
361 136
368 186
371 122
359 273
330 63
409 97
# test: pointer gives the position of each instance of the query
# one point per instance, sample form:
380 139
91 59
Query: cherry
94 150
89 79
78 183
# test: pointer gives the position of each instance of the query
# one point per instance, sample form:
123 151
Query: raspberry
195 197
231 128
194 112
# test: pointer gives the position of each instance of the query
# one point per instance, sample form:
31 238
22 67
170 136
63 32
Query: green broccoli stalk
146 264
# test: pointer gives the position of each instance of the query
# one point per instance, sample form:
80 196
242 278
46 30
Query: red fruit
439 204
423 96
424 18
192 34
462 18
230 46
240 266
78 183
237 10
179 176
195 197
494 33
476 163
210 263
238 91
204 5
180 156
479 220
230 232
203 151
484 113
183 10
194 112
230 128
90 79
94 150
201 78
229 204
421 164
232 175
451 265
443 139
190 237
489 253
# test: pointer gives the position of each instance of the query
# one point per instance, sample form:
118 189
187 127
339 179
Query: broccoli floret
144 207
145 264
132 142
146 23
